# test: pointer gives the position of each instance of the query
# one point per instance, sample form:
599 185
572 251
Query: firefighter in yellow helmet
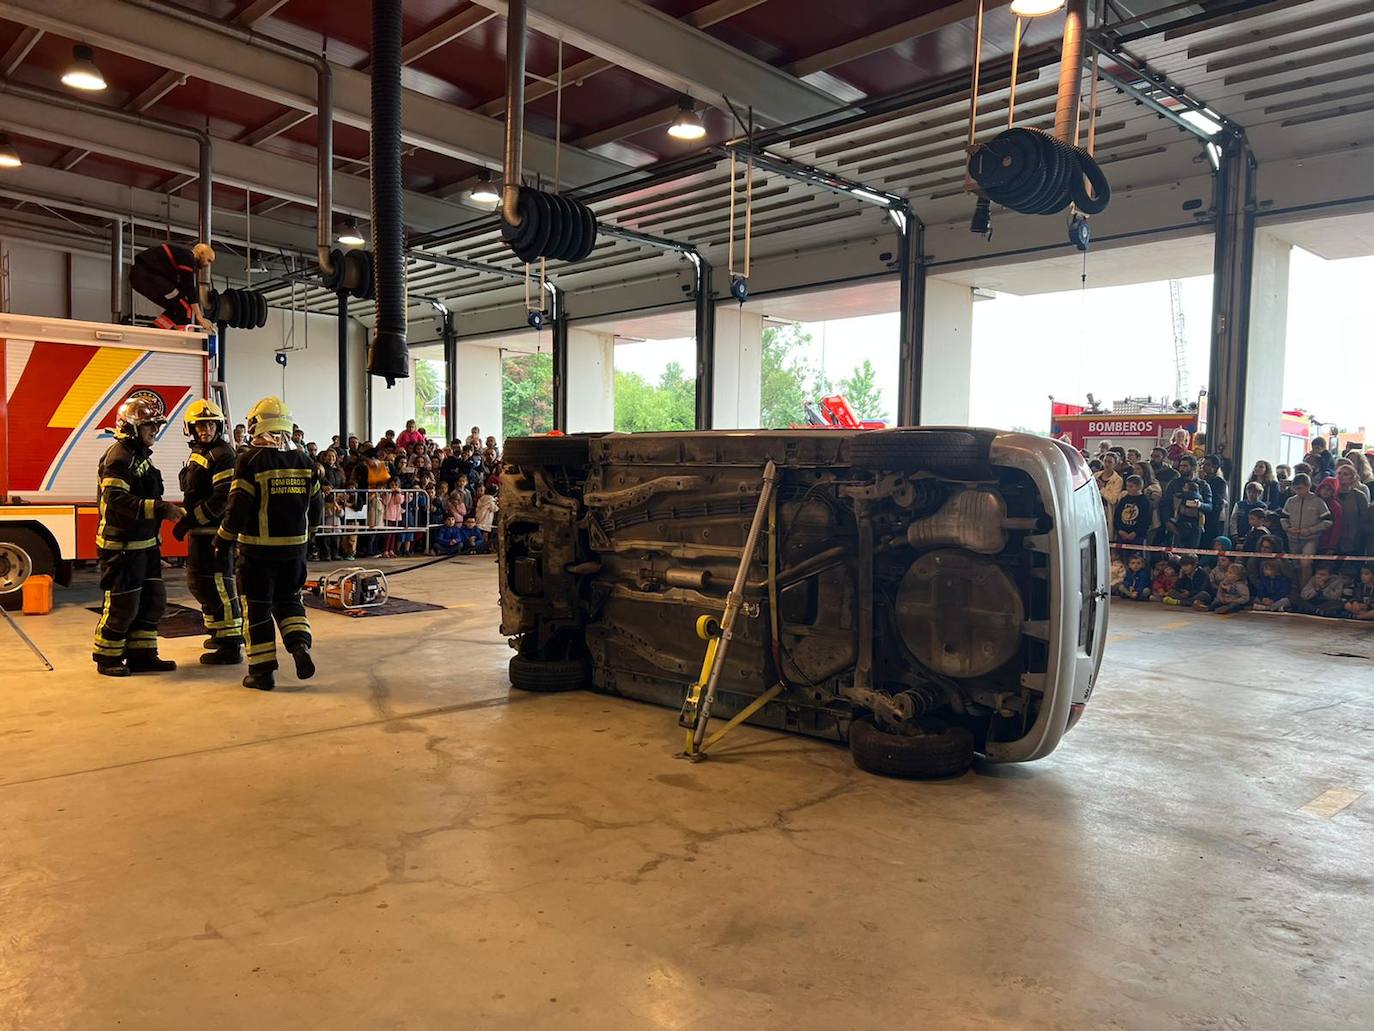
274 507
128 544
205 482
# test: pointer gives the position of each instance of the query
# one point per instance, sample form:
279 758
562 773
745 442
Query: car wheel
41 561
938 749
916 450
535 451
548 676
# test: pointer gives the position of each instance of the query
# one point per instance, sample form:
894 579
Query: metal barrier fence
364 514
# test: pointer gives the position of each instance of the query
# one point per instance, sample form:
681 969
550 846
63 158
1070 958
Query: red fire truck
61 382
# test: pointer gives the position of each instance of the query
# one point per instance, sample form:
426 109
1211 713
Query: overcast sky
1115 342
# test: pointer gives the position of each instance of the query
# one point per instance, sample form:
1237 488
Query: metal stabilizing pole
733 601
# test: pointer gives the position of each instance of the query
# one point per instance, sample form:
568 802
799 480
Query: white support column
739 368
1266 350
591 380
948 367
479 390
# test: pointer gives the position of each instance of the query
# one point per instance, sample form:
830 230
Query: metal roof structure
876 92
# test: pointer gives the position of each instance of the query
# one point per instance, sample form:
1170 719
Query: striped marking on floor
1330 802
1175 624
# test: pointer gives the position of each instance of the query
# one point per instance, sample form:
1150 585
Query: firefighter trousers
211 582
134 599
271 590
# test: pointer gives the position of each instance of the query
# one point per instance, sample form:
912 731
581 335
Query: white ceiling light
352 237
484 192
688 124
9 157
82 73
1035 8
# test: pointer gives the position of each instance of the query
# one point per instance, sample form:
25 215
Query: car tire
939 750
536 451
548 676
917 450
41 560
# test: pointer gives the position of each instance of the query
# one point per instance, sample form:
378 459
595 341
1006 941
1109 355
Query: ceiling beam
672 53
18 50
234 164
209 54
703 17
875 42
258 10
99 197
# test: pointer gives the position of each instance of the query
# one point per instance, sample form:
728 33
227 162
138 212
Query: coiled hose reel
1035 173
238 309
352 273
550 226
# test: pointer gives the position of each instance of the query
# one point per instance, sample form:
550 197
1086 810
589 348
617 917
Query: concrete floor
406 845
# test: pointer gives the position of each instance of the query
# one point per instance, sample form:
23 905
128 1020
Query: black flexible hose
1036 173
388 356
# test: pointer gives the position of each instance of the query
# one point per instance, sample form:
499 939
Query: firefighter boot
111 668
305 665
224 654
260 680
149 663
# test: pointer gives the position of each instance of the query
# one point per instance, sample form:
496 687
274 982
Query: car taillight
1075 714
1082 475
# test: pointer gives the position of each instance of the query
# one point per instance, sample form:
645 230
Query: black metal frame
911 267
1232 276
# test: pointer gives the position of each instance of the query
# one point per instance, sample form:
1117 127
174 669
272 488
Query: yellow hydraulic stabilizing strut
696 708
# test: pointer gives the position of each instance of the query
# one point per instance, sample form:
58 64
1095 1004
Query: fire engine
61 382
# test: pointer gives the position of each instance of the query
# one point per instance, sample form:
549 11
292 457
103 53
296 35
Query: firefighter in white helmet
205 482
128 544
274 507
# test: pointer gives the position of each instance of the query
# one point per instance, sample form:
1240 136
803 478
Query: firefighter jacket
131 505
274 502
205 482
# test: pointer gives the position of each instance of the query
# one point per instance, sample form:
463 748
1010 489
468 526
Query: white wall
37 282
479 389
739 356
1268 349
591 381
948 366
310 382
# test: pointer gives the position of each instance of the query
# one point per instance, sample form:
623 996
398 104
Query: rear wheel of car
936 749
911 450
547 676
41 560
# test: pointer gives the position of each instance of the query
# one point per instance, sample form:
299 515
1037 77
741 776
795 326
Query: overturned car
921 594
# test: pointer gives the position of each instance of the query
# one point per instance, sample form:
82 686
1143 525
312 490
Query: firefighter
205 482
166 275
129 546
274 506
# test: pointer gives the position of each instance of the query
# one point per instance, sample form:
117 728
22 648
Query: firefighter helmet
203 410
270 415
138 410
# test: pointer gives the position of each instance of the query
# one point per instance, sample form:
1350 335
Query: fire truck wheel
548 675
41 558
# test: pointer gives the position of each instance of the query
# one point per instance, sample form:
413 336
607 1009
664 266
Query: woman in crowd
1354 505
1271 493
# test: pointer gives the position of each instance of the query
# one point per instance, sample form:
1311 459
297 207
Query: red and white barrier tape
1242 554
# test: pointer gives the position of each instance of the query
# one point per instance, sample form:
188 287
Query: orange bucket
37 592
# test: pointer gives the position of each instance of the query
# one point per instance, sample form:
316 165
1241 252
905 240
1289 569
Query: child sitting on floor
1323 594
1233 594
1273 590
1192 587
1166 575
1361 603
1135 585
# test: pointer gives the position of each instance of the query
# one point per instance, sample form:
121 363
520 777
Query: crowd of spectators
1296 540
405 494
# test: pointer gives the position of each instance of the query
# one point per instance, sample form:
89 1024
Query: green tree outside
430 389
641 406
526 394
787 379
862 392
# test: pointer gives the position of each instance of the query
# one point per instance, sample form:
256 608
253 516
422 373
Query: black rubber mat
177 621
392 607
